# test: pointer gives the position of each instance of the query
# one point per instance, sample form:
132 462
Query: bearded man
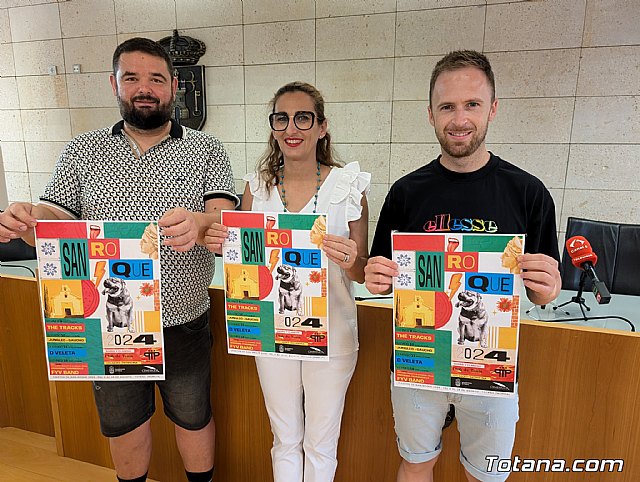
149 167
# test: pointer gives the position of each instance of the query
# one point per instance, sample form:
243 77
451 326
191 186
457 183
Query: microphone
583 257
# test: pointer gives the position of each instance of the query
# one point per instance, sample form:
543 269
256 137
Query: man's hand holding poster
275 277
456 312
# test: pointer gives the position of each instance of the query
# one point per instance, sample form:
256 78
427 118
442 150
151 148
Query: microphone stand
578 297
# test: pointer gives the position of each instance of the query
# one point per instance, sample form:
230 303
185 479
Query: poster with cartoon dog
275 278
100 298
456 311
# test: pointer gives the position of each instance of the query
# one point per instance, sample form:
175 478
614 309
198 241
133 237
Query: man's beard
148 118
458 150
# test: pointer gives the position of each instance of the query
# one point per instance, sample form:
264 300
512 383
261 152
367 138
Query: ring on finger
346 258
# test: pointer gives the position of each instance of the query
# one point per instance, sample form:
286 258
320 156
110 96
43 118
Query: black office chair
16 250
618 249
603 237
626 274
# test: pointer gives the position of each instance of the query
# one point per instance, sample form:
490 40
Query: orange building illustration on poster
243 286
418 314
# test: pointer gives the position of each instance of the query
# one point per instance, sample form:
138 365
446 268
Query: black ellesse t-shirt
497 198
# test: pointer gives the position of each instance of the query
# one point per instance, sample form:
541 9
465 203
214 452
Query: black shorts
186 390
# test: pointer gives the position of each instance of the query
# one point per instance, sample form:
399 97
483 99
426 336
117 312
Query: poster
275 279
100 298
456 312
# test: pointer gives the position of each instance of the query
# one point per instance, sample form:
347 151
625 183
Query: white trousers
305 400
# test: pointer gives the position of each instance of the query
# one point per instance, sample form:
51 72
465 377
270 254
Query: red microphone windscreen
580 251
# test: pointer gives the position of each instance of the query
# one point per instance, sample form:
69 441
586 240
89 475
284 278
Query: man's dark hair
139 44
459 60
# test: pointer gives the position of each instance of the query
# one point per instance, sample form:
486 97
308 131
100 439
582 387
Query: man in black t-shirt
466 189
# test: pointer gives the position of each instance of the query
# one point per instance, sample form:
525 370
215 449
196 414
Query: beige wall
567 76
3 187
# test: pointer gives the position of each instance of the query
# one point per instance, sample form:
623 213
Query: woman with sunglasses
298 173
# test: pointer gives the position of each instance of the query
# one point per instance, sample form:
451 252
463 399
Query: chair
16 250
626 275
603 237
618 249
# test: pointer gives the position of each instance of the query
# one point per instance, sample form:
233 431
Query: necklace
137 153
282 190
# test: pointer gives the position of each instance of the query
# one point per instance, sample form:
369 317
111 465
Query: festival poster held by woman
298 173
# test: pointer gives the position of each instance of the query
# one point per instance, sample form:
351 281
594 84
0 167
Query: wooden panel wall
579 399
24 388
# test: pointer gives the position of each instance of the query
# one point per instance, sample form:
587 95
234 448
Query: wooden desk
579 399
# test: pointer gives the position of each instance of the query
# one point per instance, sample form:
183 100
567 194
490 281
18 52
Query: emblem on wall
191 103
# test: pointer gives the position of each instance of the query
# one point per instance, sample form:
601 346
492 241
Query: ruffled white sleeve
351 186
253 178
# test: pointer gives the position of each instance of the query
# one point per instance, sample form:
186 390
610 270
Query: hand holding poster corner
456 312
100 297
275 277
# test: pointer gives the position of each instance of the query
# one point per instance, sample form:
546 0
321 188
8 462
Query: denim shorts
186 390
487 426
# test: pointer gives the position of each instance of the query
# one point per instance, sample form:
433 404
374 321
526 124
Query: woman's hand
342 251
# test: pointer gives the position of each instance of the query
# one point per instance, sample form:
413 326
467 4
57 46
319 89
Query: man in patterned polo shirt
148 167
